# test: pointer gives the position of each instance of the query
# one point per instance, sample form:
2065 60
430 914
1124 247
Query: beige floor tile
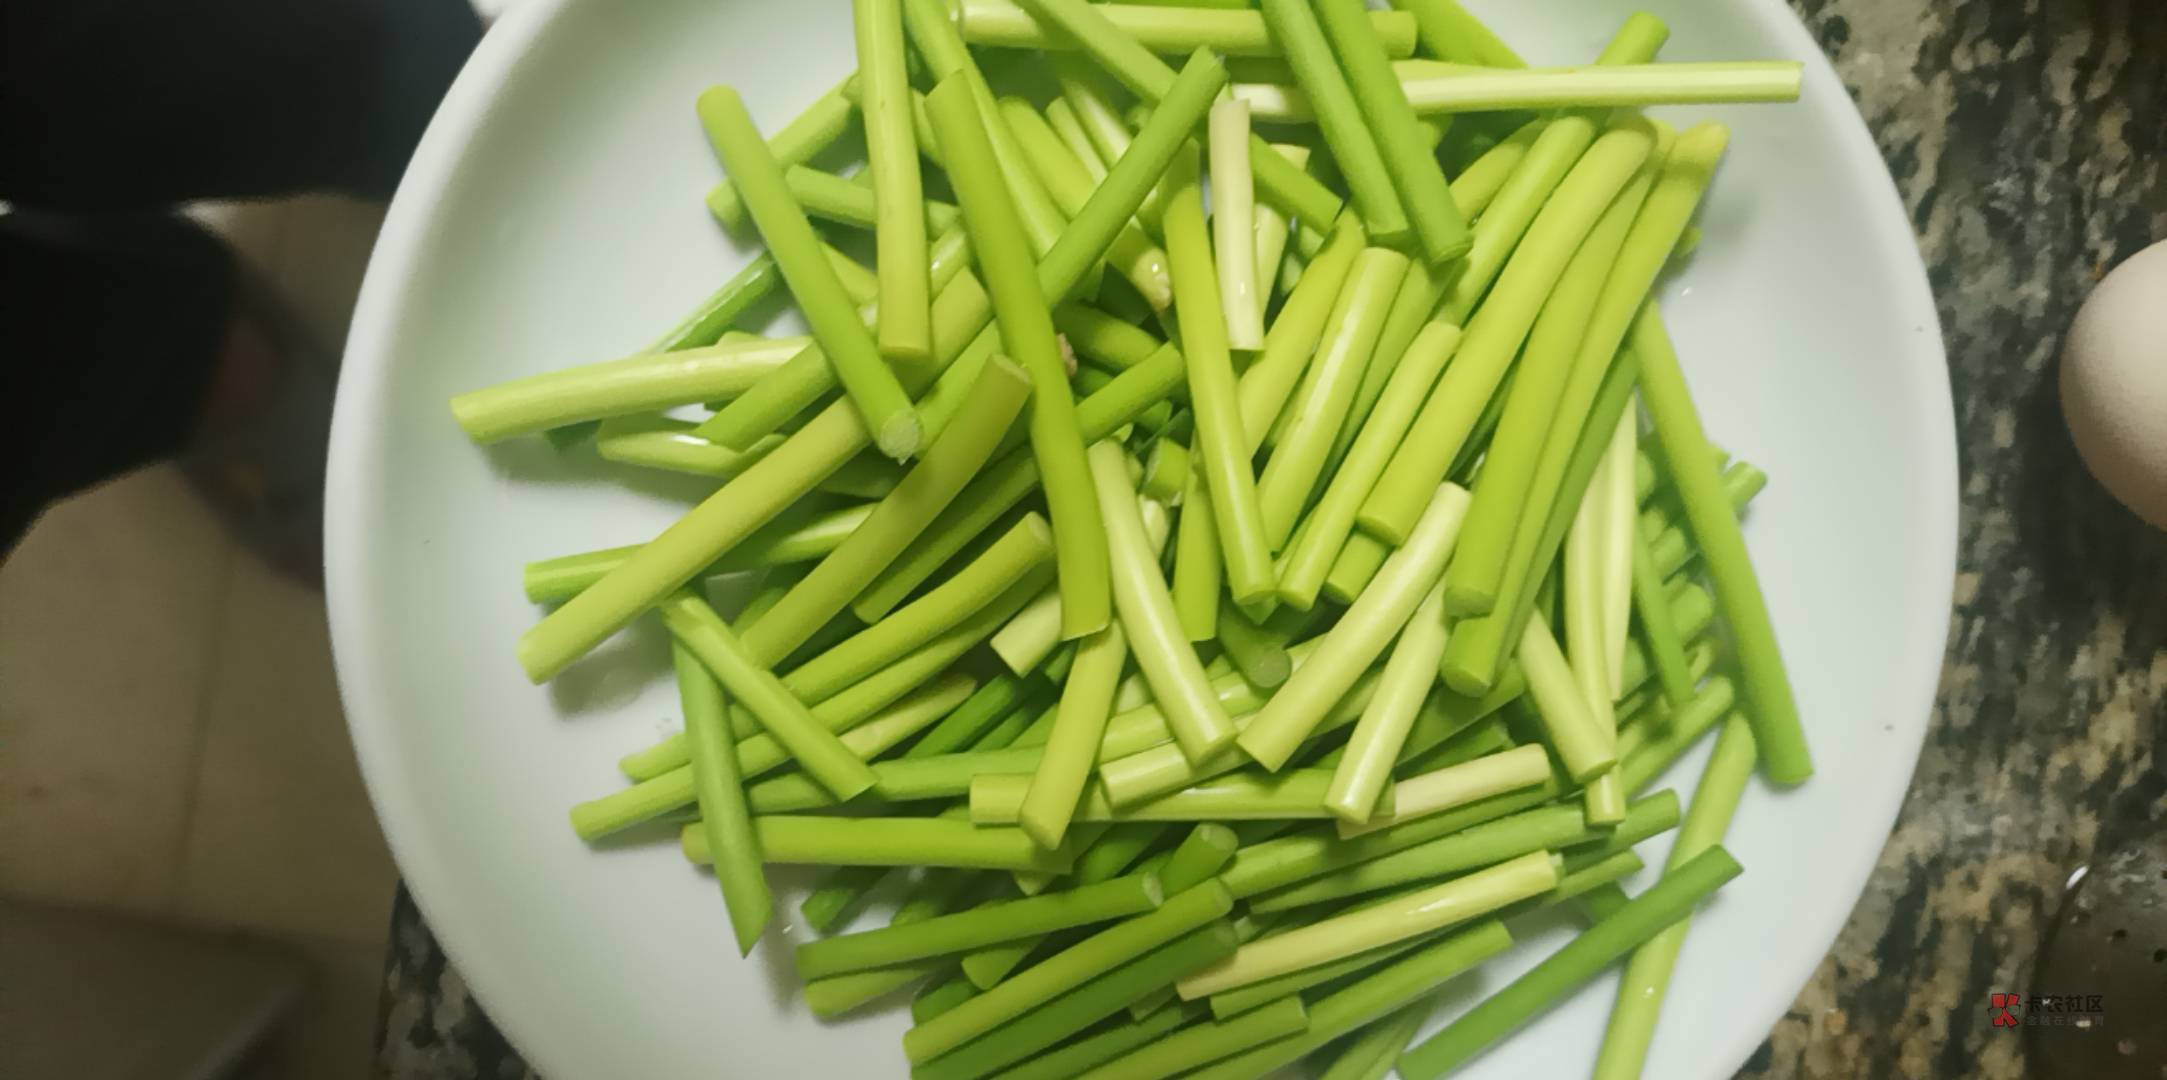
106 613
322 256
332 1036
282 840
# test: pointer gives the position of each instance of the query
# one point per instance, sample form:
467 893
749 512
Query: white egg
2114 383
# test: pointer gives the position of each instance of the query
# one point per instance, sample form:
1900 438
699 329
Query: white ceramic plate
553 216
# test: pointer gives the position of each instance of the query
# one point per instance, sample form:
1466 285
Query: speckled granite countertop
2029 139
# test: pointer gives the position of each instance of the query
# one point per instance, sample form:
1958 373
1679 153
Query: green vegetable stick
1035 633
1075 1057
1648 701
871 386
634 384
1231 1003
1102 338
1581 872
1411 306
1285 860
1166 471
1008 481
843 891
727 823
1325 532
1647 974
1061 116
719 312
1670 547
847 200
1549 158
1102 123
1349 134
1258 652
1547 827
1613 86
904 780
1153 149
1450 33
667 787
1280 181
837 432
1162 770
1213 396
1234 32
1370 1054
1139 260
958 311
1071 750
820 126
1144 726
1207 1042
1479 646
1358 563
1538 829
1296 332
1199 563
891 147
1080 1007
1297 794
1321 942
1499 327
1066 970
827 841
947 465
937 998
1665 646
1457 785
1434 92
1032 635
1360 636
981 925
1475 579
1320 406
1191 710
1366 766
1570 456
1234 226
1370 998
816 748
1113 853
1407 150
725 518
1666 902
1773 710
1482 180
1027 333
1599 582
1651 748
933 32
1583 746
1272 230
659 442
1466 746
1023 549
840 994
1199 857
